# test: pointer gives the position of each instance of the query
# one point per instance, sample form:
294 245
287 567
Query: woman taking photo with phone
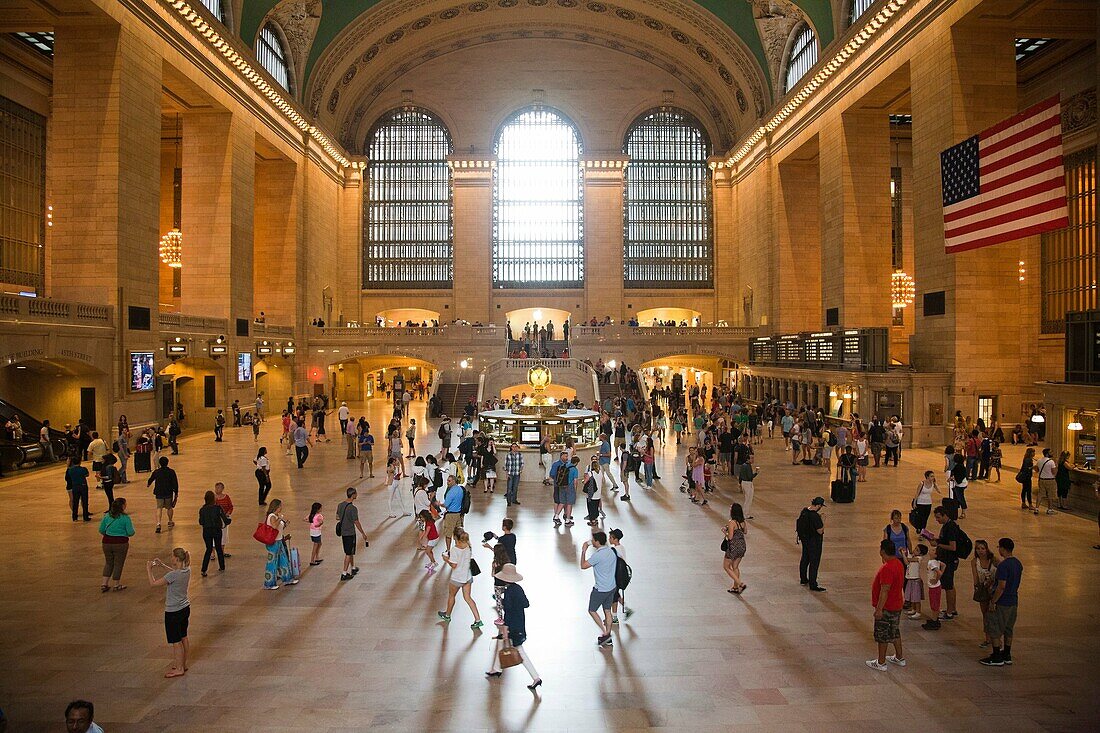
177 606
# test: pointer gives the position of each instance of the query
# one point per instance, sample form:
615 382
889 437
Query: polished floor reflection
370 653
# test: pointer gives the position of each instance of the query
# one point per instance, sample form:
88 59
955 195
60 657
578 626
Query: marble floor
370 653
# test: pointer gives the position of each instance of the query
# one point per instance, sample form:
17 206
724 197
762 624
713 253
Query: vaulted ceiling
728 53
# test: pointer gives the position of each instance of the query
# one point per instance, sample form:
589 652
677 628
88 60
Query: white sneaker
873 664
291 582
894 660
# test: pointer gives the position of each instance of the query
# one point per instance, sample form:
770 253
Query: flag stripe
1008 215
1053 164
1049 187
1050 170
994 147
1017 118
1021 155
1028 231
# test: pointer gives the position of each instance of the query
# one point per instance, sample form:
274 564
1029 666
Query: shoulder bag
265 534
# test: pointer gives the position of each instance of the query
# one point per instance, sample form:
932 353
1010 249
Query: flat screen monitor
244 366
530 435
142 378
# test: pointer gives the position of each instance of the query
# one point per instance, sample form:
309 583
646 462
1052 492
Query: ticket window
1083 442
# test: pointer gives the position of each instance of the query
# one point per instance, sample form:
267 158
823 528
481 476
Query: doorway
87 406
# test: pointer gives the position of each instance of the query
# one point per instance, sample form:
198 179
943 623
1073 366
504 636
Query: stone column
473 237
855 217
104 166
275 249
219 161
963 82
727 307
603 233
798 251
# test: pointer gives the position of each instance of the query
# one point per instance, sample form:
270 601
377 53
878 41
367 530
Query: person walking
277 569
302 444
735 532
366 450
263 474
462 577
76 484
343 415
489 466
810 529
960 479
591 488
177 606
922 502
746 475
514 630
212 518
315 520
603 563
166 489
1002 619
221 498
219 426
545 459
513 468
347 524
615 541
605 462
445 433
109 478
454 499
117 529
410 436
1047 471
393 478
350 438
887 597
1027 468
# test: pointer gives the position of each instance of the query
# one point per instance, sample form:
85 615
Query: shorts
886 628
433 543
460 583
861 461
451 522
315 539
947 580
349 544
601 599
164 503
175 624
1000 621
914 590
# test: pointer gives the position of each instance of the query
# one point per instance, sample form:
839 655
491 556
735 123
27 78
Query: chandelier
171 248
902 290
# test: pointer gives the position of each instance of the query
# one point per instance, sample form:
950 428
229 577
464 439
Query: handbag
265 534
914 517
725 545
509 656
474 569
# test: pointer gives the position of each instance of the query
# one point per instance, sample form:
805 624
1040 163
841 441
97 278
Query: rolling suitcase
142 462
295 563
843 492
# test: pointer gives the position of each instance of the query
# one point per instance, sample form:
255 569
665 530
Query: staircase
453 398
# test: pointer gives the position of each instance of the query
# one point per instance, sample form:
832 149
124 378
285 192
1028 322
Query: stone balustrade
41 310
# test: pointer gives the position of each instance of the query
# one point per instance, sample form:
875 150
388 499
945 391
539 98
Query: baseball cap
818 501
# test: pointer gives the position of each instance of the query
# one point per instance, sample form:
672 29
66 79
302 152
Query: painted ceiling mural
727 52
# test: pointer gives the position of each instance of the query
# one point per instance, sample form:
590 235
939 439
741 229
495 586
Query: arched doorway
363 378
667 315
537 315
396 317
274 380
197 384
59 390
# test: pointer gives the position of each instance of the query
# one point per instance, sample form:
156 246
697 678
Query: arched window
272 56
407 225
858 8
215 7
667 238
537 210
802 57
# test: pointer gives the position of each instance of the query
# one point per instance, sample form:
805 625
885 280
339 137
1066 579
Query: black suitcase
142 462
843 492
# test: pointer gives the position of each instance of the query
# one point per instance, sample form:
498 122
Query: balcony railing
695 333
184 322
15 308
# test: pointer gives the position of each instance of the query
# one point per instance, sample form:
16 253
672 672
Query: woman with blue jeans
959 483
278 562
648 464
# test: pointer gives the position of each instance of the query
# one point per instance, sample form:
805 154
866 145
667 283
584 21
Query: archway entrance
59 390
395 317
196 384
364 378
668 316
274 380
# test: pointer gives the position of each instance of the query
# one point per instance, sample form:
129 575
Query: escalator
26 451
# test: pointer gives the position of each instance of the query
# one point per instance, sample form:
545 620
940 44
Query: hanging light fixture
1076 424
171 244
902 289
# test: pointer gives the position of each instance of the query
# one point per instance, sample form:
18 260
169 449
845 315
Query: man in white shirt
1047 469
343 414
98 450
44 441
603 563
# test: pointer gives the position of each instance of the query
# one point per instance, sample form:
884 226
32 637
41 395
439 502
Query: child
995 460
914 588
427 538
285 437
255 430
615 537
935 570
315 519
222 499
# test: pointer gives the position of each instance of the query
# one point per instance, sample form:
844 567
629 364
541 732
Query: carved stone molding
299 20
1079 111
775 20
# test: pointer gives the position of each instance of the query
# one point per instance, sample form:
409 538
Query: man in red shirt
887 598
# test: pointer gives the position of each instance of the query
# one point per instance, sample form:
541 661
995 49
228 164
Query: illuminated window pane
1070 257
272 56
537 213
667 239
407 225
803 57
23 203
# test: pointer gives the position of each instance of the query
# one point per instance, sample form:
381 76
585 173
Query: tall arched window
802 57
407 224
537 210
667 238
858 8
272 55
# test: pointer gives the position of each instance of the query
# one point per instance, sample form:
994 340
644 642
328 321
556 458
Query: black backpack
442 432
623 573
561 478
803 527
963 545
465 501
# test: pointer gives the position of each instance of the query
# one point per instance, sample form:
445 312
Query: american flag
1007 182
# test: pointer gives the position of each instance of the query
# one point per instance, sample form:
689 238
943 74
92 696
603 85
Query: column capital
607 169
471 169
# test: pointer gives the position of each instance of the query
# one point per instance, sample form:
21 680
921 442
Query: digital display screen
142 378
244 366
530 436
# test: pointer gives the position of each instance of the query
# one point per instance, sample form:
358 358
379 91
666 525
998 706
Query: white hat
508 574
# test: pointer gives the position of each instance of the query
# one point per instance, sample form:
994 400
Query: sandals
119 587
104 588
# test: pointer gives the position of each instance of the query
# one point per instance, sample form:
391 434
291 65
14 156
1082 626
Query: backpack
803 526
561 477
963 545
442 433
623 573
832 439
590 486
465 501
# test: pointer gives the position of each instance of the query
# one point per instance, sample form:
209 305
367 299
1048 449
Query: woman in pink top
315 519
